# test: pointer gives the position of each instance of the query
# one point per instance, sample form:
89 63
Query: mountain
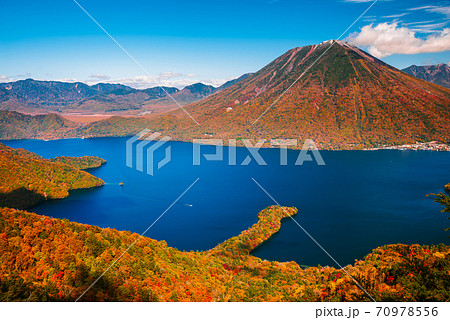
53 96
198 89
41 94
122 100
33 95
194 92
438 74
15 125
159 92
347 100
231 82
108 87
188 94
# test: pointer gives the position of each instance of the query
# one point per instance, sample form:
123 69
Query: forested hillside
45 259
82 163
26 178
15 125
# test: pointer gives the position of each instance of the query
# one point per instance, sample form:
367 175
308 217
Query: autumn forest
48 259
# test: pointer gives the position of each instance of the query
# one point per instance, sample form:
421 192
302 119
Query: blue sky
182 42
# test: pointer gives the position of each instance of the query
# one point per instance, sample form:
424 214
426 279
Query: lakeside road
430 146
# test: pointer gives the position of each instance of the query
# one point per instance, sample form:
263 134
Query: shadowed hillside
26 178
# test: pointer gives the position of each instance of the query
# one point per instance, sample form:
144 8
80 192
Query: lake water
359 200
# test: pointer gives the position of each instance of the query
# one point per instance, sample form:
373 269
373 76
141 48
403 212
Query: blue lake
359 200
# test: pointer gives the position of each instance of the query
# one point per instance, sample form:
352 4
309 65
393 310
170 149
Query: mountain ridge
347 100
37 96
437 74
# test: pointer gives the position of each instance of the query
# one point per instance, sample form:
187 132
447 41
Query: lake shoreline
422 146
375 193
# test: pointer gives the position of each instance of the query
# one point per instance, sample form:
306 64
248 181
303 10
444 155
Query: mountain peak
328 41
341 97
199 88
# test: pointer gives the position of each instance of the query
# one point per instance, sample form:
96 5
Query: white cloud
386 39
62 80
165 79
100 76
445 10
169 75
4 78
428 28
395 15
369 18
141 81
25 75
419 22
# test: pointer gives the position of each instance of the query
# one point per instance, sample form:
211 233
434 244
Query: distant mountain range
347 100
53 96
438 74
